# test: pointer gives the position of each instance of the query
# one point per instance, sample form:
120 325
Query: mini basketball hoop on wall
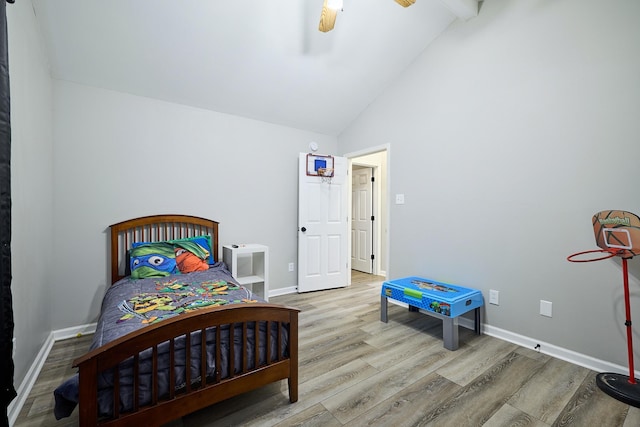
617 233
321 166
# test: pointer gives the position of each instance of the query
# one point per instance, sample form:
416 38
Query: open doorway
369 232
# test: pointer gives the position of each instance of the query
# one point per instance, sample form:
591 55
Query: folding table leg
450 333
383 309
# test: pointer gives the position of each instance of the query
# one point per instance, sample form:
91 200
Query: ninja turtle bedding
130 304
157 259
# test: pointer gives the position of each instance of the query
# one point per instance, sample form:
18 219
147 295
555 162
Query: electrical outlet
291 266
546 308
399 199
494 297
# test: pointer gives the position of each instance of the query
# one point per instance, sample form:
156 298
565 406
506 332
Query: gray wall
507 134
119 156
31 186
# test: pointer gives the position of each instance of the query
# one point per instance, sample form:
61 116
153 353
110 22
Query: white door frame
350 156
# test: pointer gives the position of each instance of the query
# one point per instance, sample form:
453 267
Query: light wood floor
356 371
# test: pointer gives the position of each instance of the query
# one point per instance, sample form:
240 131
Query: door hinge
372 218
373 179
372 257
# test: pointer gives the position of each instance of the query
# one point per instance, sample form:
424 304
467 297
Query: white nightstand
249 265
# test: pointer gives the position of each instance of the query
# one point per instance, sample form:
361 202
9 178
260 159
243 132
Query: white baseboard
556 351
32 374
282 291
74 332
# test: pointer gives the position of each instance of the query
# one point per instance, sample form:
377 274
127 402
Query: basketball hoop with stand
615 233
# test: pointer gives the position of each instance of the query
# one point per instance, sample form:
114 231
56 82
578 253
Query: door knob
303 229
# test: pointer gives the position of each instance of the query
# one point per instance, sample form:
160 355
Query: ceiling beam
463 9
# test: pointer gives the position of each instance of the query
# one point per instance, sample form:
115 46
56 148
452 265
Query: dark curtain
7 390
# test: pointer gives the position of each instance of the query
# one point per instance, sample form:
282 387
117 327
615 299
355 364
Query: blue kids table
437 299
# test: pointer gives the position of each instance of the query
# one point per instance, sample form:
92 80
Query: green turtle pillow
158 259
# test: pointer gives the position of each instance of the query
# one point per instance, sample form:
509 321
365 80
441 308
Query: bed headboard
156 228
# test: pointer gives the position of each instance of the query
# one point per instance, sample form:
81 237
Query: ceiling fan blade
405 3
327 18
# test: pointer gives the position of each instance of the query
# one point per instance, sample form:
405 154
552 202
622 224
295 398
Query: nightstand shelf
249 265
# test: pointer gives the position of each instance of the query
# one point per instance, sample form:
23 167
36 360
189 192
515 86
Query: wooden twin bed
225 350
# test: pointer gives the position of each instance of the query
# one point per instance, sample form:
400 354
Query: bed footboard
264 358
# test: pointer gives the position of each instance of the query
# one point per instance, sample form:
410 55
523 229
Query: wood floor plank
466 368
548 391
513 417
633 417
403 334
478 401
327 359
328 335
588 404
408 406
397 352
316 416
361 397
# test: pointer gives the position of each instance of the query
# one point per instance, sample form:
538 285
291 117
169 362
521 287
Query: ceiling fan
330 10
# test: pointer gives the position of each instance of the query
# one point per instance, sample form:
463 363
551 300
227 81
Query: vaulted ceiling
260 59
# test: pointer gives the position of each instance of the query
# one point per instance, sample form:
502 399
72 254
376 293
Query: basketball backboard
617 231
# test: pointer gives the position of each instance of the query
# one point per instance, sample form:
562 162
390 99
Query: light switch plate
494 297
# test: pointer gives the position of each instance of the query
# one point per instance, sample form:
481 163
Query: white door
361 223
323 227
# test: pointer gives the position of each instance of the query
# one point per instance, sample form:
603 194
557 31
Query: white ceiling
261 59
